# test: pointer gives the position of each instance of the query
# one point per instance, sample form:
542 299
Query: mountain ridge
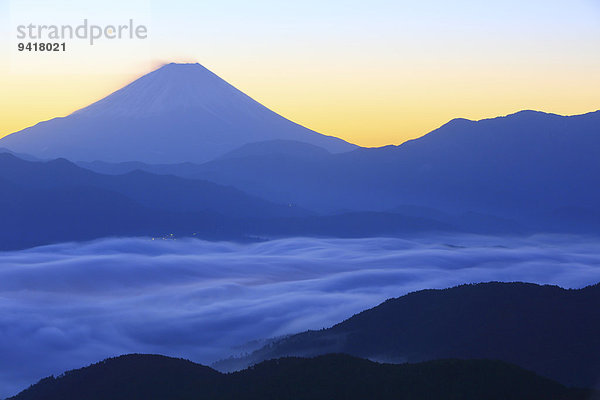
494 320
177 113
525 172
331 377
56 200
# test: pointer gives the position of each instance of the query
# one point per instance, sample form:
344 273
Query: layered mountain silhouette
528 166
178 113
329 377
181 152
56 201
284 188
546 329
526 171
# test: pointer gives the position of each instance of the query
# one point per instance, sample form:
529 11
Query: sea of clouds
65 306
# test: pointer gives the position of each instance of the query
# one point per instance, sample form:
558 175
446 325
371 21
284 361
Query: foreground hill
329 377
178 113
546 329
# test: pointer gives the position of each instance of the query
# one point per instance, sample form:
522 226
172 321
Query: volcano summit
177 113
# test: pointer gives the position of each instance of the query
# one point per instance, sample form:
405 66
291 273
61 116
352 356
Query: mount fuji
177 113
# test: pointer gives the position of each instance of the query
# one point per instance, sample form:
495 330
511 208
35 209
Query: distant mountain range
223 154
546 329
529 171
147 377
178 113
56 201
527 167
525 173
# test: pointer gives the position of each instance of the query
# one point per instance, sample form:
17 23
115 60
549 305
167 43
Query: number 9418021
41 46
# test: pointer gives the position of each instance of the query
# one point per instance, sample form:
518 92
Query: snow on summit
177 113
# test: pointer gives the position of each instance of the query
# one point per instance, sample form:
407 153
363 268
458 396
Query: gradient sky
373 73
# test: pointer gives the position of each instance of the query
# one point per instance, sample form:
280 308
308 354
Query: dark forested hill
331 377
547 329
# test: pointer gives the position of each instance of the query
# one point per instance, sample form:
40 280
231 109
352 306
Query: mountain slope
168 193
549 330
178 113
329 377
538 169
54 201
49 202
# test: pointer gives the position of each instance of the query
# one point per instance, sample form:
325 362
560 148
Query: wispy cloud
68 305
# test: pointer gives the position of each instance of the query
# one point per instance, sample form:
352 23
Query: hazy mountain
19 155
56 201
289 148
527 169
178 113
546 329
329 377
282 149
524 166
527 172
48 202
169 193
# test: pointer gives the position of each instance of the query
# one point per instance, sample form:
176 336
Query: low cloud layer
68 305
